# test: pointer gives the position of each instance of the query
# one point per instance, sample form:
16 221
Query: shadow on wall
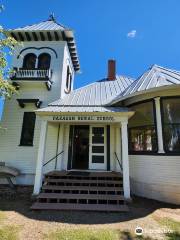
21 201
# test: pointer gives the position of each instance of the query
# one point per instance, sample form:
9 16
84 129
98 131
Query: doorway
79 147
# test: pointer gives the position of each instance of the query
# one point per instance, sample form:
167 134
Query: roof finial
52 17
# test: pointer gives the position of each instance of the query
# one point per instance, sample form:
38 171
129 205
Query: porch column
125 159
40 158
159 125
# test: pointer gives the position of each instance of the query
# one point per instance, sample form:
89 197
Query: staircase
89 191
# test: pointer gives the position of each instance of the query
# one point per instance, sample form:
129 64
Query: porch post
159 125
40 158
125 159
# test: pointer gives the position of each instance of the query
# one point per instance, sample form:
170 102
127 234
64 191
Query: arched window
29 61
44 61
68 81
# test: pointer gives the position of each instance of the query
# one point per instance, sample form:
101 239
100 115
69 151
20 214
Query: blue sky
137 33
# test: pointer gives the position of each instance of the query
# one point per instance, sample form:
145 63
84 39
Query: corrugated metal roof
45 25
154 77
95 94
99 96
67 109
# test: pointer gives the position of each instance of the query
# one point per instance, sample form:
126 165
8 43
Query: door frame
98 166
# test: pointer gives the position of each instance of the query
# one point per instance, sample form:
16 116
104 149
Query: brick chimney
111 70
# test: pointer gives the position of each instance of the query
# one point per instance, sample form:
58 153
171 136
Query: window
142 130
171 123
29 61
68 80
27 133
44 61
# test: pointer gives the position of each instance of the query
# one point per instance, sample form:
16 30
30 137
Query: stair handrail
53 158
119 161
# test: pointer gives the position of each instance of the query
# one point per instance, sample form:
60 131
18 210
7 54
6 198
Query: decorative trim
22 102
38 49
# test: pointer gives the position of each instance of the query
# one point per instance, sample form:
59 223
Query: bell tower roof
48 30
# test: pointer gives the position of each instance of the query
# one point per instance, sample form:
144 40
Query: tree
7 45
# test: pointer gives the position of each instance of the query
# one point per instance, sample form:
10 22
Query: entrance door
80 147
97 148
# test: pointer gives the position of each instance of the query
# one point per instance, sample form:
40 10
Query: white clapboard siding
156 177
24 157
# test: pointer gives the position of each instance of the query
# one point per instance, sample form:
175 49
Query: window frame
153 152
22 143
39 61
25 61
68 84
167 152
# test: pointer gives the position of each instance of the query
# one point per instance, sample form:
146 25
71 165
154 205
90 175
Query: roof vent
111 70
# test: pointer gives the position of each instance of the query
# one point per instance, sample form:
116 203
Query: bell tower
44 62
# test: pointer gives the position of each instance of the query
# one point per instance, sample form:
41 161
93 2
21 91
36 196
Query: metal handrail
52 158
120 163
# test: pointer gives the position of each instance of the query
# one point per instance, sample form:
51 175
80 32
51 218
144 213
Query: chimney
111 70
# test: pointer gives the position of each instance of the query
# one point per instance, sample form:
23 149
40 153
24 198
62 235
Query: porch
85 148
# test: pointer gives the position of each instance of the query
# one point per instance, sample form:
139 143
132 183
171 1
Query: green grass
9 233
83 234
172 225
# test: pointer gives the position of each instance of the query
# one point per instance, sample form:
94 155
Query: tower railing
28 74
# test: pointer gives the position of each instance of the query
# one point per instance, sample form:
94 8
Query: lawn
159 221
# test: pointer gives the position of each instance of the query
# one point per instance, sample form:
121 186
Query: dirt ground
35 224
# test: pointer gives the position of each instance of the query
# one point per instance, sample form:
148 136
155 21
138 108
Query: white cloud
132 34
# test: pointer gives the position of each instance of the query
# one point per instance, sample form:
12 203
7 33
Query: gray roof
68 109
101 95
95 94
154 77
47 25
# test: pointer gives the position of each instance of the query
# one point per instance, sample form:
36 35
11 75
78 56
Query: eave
49 35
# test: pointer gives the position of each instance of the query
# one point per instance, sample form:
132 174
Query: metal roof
73 109
42 26
95 94
154 77
100 96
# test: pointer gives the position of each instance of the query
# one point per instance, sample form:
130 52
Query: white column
125 159
40 158
159 125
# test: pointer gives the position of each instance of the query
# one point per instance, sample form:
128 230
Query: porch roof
82 109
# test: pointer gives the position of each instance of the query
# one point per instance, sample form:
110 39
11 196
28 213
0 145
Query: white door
97 148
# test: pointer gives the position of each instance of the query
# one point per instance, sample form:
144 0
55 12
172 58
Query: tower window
44 61
27 133
29 61
68 80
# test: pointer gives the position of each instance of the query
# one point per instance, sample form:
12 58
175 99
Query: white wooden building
105 141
